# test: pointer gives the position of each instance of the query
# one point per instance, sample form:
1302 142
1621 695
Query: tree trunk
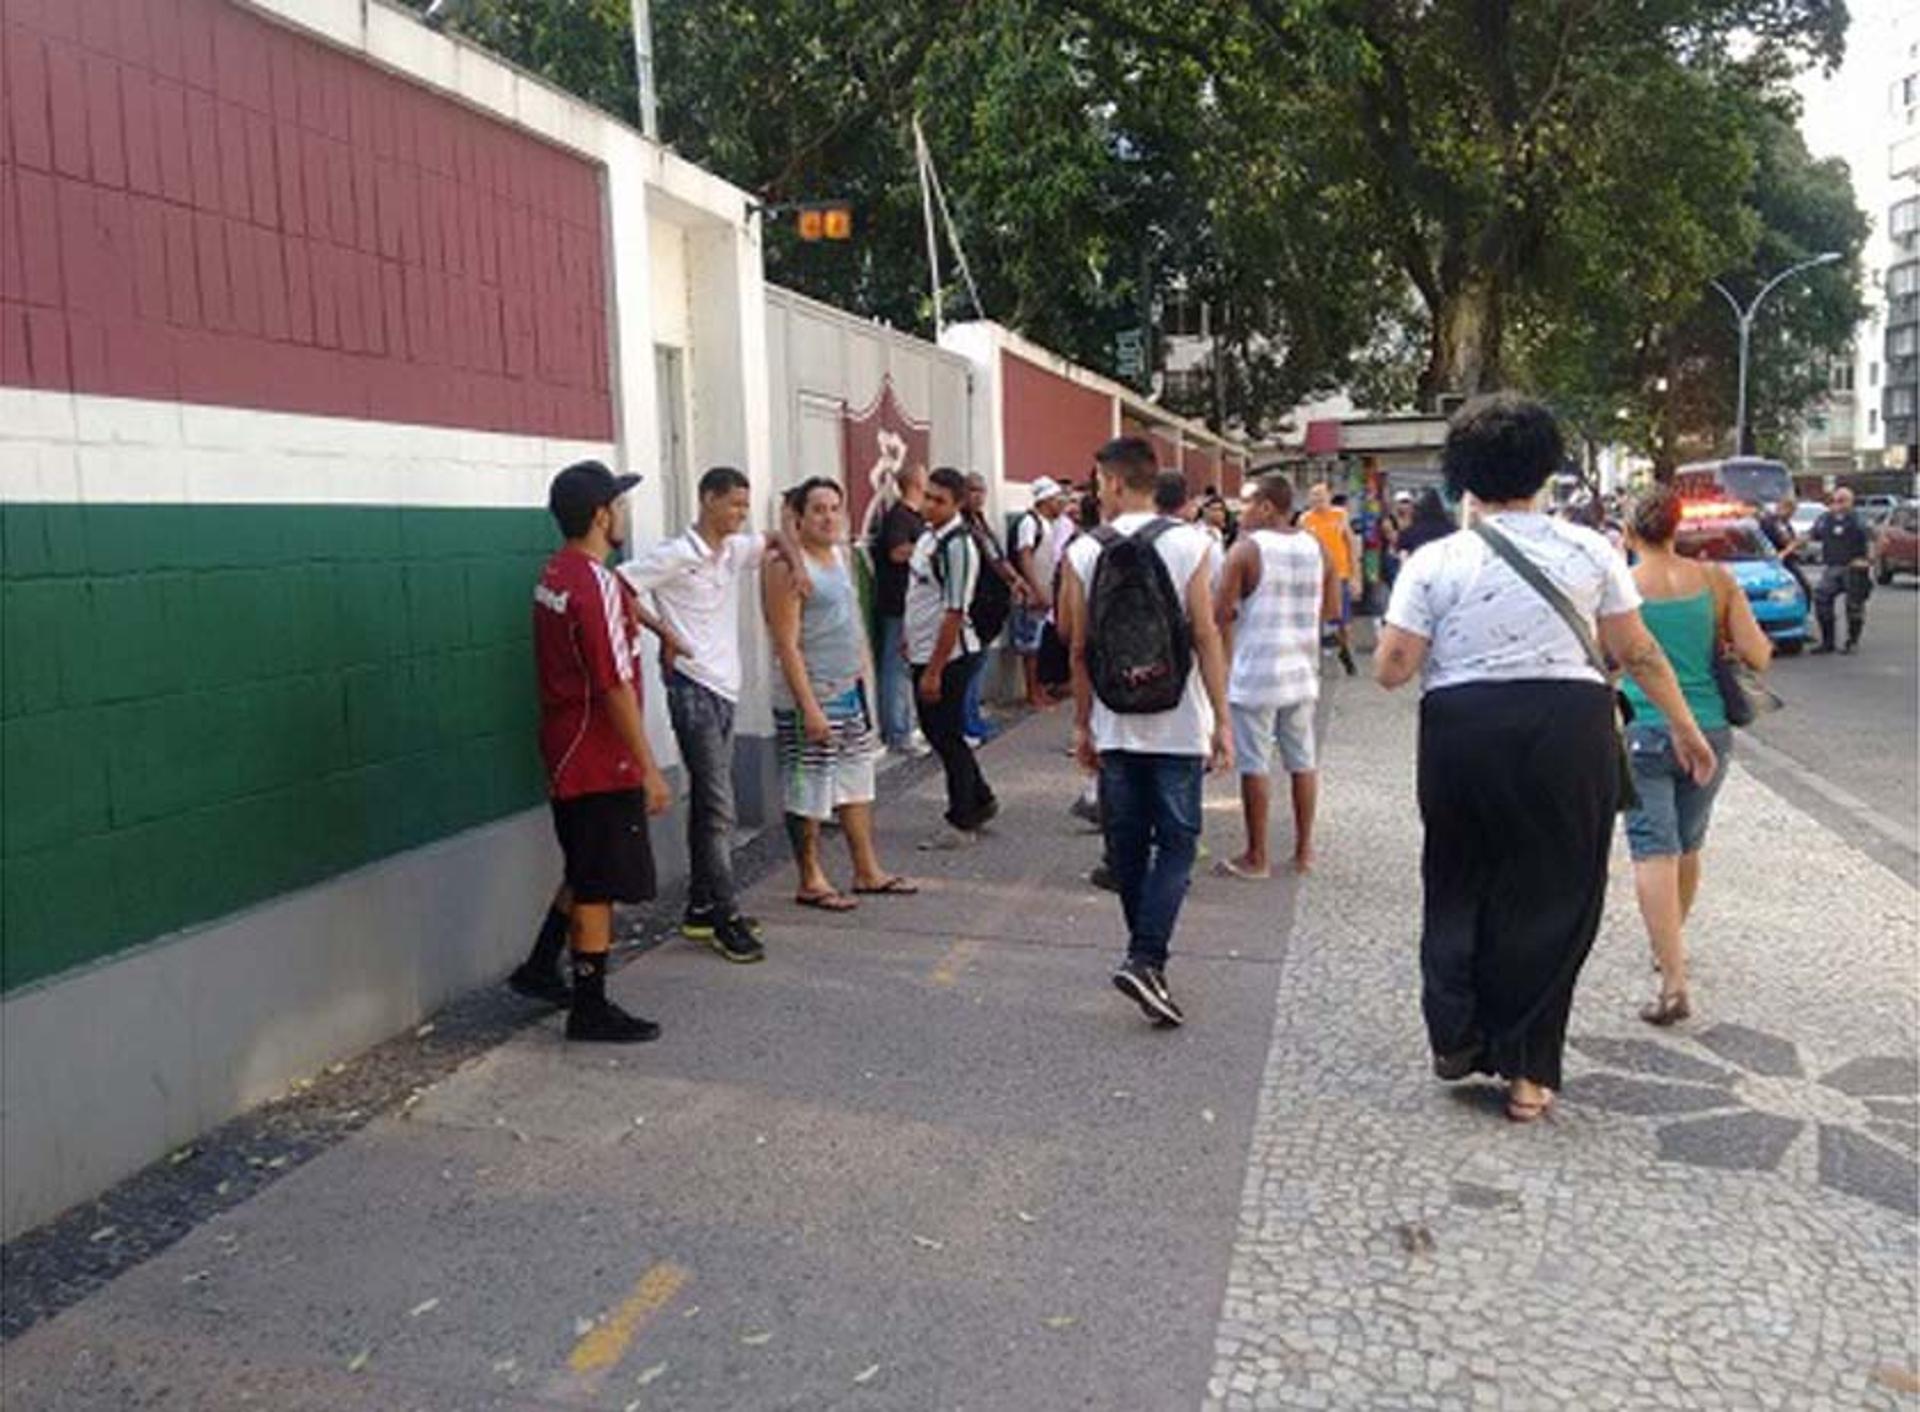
1464 352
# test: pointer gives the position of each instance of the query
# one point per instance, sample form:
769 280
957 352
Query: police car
1726 533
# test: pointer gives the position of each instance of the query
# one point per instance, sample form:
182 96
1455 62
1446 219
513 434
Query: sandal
1518 1112
895 886
825 901
1669 1008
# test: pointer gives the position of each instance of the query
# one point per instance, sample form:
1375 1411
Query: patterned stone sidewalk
1722 1215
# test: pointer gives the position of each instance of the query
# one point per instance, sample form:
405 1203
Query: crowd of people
1188 640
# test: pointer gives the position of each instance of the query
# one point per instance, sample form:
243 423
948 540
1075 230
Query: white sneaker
949 840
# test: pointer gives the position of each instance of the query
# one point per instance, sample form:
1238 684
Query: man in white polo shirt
1150 702
695 582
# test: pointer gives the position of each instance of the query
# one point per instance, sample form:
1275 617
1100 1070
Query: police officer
1776 523
1846 545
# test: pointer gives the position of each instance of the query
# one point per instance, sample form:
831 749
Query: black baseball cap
582 488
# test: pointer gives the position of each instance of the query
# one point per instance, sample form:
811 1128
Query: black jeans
969 802
703 728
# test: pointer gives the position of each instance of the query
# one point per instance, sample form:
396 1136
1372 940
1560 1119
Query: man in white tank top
1276 588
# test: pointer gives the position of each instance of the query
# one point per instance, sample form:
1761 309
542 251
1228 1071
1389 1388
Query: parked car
1899 548
1876 510
1736 542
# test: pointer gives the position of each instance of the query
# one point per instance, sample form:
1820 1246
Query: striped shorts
817 778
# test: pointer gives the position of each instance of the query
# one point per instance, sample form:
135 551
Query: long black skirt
1519 785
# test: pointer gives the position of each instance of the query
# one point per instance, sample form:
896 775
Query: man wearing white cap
1036 550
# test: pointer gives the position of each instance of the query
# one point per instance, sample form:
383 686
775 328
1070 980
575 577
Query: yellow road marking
607 1343
959 956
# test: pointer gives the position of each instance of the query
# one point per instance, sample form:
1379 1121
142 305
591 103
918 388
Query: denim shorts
1259 730
1028 624
1674 811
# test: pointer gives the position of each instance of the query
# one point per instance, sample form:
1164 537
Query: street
928 1159
1846 747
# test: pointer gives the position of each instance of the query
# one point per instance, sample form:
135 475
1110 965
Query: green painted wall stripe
202 707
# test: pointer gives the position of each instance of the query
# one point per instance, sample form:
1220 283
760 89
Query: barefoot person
1695 611
1278 586
822 695
1520 758
600 772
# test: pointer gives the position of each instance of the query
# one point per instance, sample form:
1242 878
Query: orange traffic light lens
839 223
812 224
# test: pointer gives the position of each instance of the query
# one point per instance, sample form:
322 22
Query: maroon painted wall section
197 204
1201 466
1233 474
1053 426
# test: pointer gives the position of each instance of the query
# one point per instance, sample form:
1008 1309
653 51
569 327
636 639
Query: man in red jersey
600 773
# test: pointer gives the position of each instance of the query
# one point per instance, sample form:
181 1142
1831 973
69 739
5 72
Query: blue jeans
1150 805
976 723
896 689
703 728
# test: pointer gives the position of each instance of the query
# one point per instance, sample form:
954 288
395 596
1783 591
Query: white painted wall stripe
76 448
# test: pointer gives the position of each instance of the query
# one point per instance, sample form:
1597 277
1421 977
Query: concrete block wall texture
196 203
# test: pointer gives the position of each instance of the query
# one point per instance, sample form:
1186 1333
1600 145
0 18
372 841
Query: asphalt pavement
1846 744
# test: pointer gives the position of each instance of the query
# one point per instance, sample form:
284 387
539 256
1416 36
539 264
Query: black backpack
1139 642
992 601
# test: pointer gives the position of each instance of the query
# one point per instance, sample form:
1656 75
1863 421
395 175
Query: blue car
1779 604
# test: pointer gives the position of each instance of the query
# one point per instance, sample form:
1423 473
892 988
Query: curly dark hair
1502 447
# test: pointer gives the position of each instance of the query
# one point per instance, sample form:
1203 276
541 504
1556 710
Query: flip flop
825 901
1228 868
895 886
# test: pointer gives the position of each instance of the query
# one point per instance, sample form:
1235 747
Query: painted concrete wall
267 709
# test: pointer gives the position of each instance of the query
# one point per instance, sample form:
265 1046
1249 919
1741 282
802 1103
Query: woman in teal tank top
1690 608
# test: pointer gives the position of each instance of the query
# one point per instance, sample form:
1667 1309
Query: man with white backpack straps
1150 708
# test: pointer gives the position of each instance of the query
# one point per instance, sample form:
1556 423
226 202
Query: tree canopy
1408 197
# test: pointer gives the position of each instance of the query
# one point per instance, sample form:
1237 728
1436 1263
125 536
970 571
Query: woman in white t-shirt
1520 764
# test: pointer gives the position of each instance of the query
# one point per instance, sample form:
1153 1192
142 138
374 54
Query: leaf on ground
650 1374
1060 1321
424 1030
866 1375
1025 1218
760 1140
425 1306
277 1163
359 1360
1206 1115
505 1365
105 1233
929 1243
582 1327
1122 1093
196 1277
690 1311
639 1122
184 1154
756 1340
223 1188
519 1136
336 1068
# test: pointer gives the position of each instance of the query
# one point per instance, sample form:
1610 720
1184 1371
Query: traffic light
825 220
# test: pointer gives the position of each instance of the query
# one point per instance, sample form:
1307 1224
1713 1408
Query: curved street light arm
1738 313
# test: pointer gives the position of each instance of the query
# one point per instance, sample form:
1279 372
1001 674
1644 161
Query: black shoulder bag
1531 576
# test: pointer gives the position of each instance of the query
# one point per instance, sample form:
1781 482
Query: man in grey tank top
1276 588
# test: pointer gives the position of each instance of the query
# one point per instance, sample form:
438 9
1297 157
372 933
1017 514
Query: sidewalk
929 1159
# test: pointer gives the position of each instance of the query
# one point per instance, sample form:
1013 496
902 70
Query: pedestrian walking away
694 579
941 645
1697 613
1150 708
1278 586
1846 555
601 775
1429 521
900 530
822 695
1520 760
1328 523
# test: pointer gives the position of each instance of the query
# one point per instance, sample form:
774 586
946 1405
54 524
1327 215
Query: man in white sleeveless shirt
1276 589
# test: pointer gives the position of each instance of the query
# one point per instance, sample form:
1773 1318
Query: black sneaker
1102 877
538 984
734 940
1825 649
1346 661
607 1023
1175 1015
697 924
1139 984
1086 810
1850 649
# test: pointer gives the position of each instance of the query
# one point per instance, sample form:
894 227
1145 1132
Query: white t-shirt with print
1188 728
1481 620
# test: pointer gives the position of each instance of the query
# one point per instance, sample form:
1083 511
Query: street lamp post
1744 318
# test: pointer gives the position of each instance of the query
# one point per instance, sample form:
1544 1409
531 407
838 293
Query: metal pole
933 234
1740 447
643 68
